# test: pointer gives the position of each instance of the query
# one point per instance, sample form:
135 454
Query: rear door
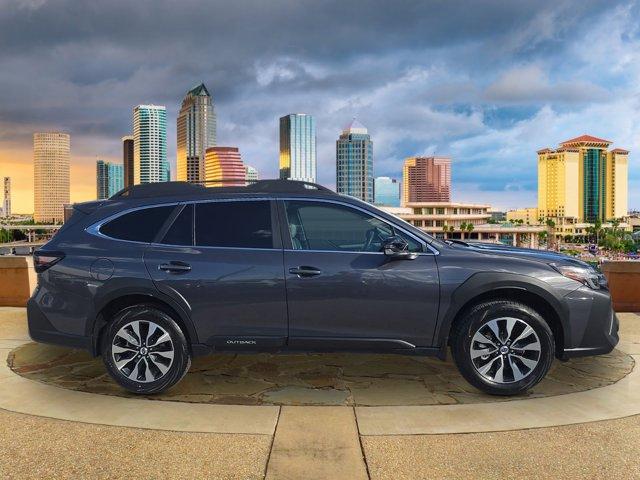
224 259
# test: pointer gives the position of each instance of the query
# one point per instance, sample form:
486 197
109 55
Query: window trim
94 229
428 250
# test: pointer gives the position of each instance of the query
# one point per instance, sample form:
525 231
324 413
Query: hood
528 253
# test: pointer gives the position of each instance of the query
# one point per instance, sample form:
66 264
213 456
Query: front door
227 268
342 291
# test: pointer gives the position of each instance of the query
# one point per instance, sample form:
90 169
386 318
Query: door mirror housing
396 248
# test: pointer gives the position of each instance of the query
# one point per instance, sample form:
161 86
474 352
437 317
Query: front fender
483 283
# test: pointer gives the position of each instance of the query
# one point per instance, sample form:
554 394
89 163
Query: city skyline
488 96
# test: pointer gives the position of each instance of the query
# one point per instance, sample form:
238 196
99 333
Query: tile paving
313 379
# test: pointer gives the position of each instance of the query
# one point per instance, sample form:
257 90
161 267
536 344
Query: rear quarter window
138 226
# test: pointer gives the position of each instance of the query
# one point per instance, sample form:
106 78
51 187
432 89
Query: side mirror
396 248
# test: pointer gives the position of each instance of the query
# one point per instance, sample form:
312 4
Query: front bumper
593 324
41 330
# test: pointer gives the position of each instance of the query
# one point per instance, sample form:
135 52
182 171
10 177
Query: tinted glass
140 225
181 230
325 226
234 224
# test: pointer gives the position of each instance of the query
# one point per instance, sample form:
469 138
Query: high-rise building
298 147
127 159
196 131
426 179
252 174
354 162
6 209
583 181
387 192
224 167
109 179
51 158
150 163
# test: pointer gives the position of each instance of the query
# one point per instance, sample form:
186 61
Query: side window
181 230
243 224
326 226
139 226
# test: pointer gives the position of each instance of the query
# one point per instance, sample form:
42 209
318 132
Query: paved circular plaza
313 379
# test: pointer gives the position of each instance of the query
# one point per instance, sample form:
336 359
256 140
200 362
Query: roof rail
207 187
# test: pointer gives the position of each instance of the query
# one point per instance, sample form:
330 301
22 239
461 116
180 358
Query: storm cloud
486 82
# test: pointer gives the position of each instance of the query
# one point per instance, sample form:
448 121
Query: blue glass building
150 144
354 162
109 179
387 192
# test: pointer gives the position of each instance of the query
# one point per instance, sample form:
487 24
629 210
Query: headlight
585 275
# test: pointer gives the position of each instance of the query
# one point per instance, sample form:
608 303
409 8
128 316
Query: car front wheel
144 350
503 347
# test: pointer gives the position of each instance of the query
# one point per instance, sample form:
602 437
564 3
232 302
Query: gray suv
161 273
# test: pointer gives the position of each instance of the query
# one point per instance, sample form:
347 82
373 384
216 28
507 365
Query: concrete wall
17 280
624 283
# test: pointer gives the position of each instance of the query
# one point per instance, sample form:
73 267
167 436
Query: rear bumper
41 330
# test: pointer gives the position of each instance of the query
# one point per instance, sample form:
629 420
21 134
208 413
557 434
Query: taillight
43 260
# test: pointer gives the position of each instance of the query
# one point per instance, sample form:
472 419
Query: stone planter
624 283
17 280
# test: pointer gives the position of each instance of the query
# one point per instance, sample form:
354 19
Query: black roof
172 189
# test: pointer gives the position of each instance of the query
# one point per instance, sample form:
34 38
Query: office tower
583 181
387 192
224 167
150 163
127 159
354 162
426 179
102 180
196 131
298 147
252 174
109 179
51 157
7 197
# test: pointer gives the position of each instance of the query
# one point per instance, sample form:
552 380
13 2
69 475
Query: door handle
175 267
303 271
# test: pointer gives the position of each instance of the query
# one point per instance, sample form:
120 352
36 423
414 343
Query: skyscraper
354 162
127 159
51 157
196 131
7 197
224 167
252 173
387 192
150 163
426 179
583 181
298 147
109 179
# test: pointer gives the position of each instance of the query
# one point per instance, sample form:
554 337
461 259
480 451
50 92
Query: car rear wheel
503 347
144 350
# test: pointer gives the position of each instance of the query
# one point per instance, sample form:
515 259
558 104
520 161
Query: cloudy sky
485 82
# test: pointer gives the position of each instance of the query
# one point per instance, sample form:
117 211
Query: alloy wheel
505 350
142 351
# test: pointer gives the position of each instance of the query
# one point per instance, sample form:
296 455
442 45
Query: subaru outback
161 273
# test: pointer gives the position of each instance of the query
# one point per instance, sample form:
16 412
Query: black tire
148 368
506 381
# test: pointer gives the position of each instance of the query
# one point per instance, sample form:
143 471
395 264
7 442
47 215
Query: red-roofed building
582 182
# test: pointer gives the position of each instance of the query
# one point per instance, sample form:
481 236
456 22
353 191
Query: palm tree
463 228
470 228
550 226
